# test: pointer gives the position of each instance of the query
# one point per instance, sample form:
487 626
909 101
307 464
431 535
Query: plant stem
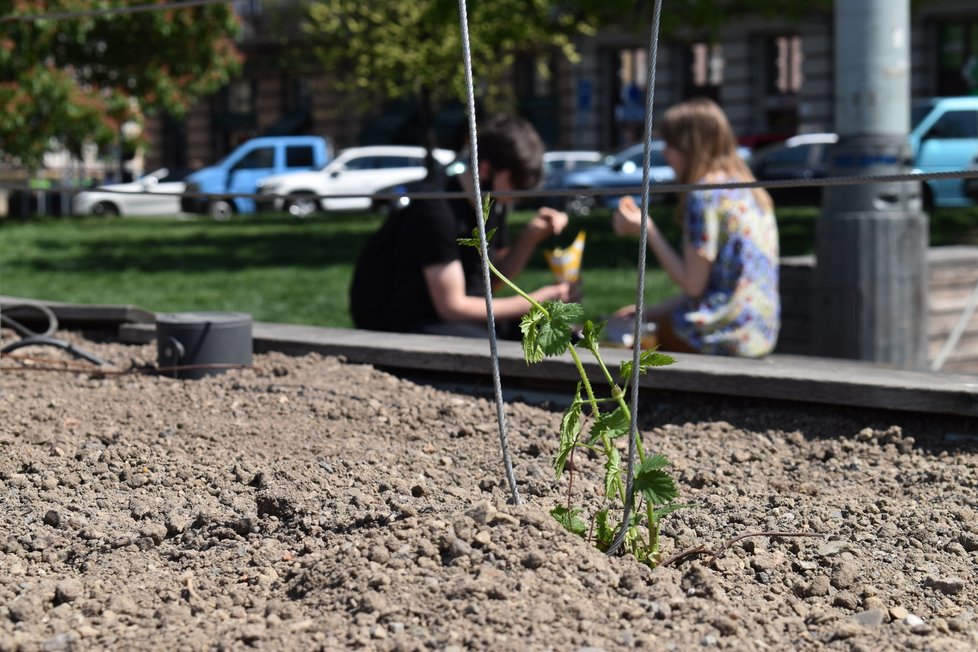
518 290
605 441
585 381
620 398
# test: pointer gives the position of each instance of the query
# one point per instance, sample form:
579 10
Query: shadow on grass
201 246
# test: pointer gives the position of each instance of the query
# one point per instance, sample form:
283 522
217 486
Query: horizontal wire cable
109 11
661 188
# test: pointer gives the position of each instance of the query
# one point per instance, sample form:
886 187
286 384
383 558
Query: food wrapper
566 263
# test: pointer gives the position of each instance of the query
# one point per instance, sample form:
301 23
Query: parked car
241 170
805 156
359 171
616 171
383 202
555 165
944 138
971 185
157 193
558 162
620 170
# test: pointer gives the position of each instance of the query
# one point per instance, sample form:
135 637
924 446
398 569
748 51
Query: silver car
157 193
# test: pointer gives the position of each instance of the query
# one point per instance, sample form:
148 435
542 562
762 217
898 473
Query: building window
957 66
707 64
632 65
536 90
784 60
703 66
241 97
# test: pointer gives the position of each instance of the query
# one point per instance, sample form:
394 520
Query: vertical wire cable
956 332
640 299
484 250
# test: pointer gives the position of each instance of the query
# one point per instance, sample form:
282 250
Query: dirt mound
312 504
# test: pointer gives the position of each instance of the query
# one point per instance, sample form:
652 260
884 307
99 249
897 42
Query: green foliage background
76 80
286 270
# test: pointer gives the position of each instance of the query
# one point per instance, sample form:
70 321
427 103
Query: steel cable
640 291
484 250
658 188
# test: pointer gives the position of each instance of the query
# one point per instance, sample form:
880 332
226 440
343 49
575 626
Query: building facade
773 77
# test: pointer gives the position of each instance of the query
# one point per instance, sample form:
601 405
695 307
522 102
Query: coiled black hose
33 338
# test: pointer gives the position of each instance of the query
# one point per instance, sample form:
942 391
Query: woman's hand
565 291
546 223
625 312
627 220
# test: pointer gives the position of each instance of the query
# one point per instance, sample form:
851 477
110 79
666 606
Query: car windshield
168 176
919 111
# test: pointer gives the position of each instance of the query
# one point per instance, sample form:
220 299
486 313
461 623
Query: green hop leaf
474 240
653 483
570 519
547 332
591 335
610 424
604 533
647 359
530 326
612 474
555 336
570 429
486 205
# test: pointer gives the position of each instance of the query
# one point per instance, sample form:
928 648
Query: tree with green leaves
391 49
74 71
395 49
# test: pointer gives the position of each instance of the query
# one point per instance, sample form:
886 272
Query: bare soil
308 503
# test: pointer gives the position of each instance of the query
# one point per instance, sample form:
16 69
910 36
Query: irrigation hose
33 338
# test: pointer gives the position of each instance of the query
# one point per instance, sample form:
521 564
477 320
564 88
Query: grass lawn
281 269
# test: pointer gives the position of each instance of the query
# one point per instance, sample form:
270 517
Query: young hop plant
595 424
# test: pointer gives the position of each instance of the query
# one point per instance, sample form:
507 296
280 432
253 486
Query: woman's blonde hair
699 130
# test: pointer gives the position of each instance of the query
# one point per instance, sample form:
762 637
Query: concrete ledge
784 377
781 377
82 315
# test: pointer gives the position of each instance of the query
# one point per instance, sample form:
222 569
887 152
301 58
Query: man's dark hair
511 143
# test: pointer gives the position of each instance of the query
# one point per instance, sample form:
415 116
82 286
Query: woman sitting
728 271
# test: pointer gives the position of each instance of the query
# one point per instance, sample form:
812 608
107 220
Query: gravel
308 503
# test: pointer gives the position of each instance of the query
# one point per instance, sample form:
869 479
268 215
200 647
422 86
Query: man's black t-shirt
388 292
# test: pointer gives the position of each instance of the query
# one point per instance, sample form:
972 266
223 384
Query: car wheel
105 209
220 210
581 205
302 205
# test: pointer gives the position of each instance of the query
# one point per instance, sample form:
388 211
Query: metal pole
870 299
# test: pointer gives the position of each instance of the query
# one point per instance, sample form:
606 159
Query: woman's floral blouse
740 311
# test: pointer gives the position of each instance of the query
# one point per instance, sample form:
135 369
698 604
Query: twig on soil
68 366
715 554
679 556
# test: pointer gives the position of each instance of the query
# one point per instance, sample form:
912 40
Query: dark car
800 157
620 170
